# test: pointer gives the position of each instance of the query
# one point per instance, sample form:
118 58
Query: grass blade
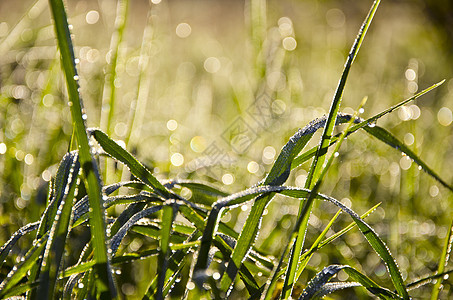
104 281
136 168
443 263
314 288
386 137
320 156
310 153
277 176
6 248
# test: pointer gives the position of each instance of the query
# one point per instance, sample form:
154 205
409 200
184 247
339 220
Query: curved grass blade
315 288
363 123
104 281
444 257
315 169
386 137
6 248
57 237
277 176
20 290
332 287
305 257
136 168
115 241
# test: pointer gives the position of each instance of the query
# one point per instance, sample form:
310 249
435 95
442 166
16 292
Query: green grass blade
6 248
428 279
168 215
136 168
21 269
115 241
109 93
310 153
277 176
104 281
386 137
443 262
314 289
58 233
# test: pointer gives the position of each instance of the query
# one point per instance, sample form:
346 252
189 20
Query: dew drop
420 168
361 111
80 285
76 61
70 26
84 116
76 77
336 154
372 125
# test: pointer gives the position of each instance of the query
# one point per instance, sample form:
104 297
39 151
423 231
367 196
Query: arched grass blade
115 241
364 123
277 176
104 282
6 248
316 287
386 137
444 257
332 287
57 237
136 168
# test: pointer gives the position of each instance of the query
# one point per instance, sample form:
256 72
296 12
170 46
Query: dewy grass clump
178 224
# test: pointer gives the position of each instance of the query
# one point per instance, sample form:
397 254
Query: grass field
182 172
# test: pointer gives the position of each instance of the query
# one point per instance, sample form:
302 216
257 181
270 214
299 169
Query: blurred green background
210 72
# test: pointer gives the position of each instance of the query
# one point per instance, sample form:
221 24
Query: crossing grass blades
42 272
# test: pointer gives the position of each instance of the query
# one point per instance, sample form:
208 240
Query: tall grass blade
104 281
168 215
444 257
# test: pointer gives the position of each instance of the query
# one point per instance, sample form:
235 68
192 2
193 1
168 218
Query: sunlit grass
175 90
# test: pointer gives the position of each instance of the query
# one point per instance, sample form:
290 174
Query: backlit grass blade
332 287
104 281
428 279
118 237
277 176
109 93
314 289
304 214
21 269
310 153
443 262
6 248
386 137
136 168
57 237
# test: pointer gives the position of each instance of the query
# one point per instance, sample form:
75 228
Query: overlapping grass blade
332 287
21 269
310 153
386 137
318 244
58 233
443 262
320 156
277 176
314 289
104 282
